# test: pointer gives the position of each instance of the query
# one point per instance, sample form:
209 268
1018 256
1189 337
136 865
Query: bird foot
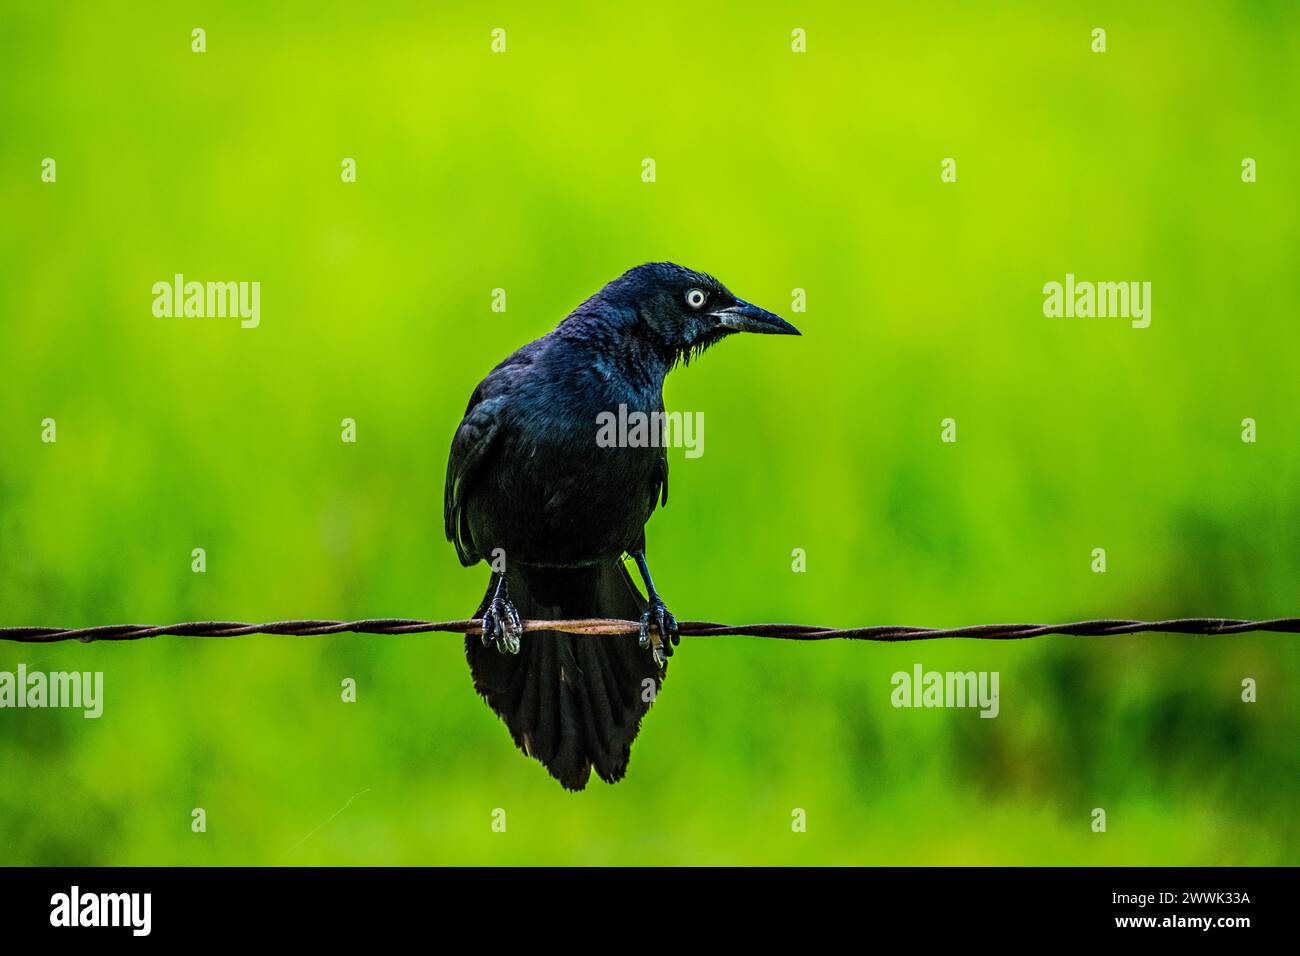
501 624
661 619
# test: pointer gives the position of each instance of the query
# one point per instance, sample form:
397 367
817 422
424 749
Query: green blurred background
775 171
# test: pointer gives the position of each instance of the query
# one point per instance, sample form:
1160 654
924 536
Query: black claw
666 625
501 623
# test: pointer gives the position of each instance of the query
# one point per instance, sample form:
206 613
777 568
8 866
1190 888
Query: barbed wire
1211 626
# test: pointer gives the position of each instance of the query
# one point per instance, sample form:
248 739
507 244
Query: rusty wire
601 626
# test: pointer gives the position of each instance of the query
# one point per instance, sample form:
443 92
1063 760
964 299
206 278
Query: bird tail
570 701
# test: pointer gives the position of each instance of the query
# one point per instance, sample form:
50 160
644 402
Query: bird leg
501 621
656 613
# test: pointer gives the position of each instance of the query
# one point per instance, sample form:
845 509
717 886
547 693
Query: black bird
532 491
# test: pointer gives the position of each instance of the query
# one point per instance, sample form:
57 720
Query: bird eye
695 298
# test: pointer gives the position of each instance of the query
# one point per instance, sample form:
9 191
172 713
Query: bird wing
659 485
660 488
471 444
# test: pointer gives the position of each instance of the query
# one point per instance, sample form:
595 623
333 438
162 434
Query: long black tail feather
573 702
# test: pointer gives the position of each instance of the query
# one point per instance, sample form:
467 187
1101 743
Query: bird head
687 311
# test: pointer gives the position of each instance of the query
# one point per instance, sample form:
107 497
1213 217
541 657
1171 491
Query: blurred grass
775 171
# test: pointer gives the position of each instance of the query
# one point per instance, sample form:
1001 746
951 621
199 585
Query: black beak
746 317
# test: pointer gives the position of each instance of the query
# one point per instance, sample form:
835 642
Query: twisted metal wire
789 632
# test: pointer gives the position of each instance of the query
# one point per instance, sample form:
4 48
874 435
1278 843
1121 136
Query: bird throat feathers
686 354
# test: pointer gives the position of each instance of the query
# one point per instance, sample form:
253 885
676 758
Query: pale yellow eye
695 298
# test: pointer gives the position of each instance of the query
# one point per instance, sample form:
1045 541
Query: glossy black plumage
530 489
